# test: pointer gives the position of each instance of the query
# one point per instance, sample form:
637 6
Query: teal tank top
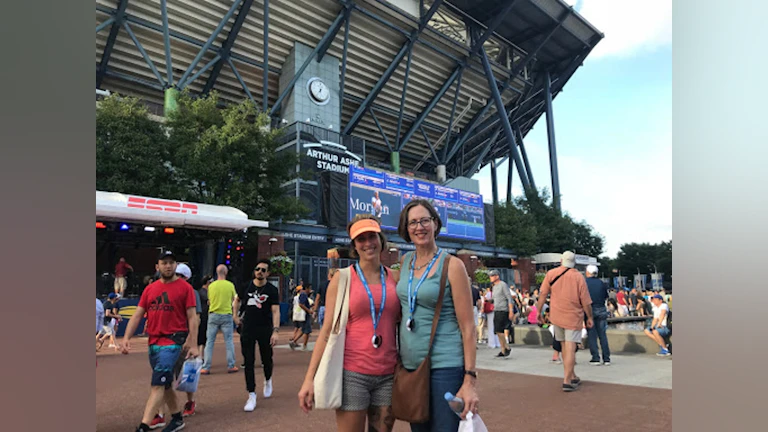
448 348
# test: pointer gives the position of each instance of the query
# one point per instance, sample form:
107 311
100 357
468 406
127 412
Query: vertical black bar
453 114
494 183
344 64
402 97
510 176
551 141
265 83
119 17
167 42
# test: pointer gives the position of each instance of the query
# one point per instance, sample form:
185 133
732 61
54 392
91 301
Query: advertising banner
384 195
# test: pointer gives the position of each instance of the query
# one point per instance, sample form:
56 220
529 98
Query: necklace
417 268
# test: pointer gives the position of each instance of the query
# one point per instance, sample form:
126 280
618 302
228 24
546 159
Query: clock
318 91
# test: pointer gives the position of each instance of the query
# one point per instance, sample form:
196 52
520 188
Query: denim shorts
306 328
166 362
663 331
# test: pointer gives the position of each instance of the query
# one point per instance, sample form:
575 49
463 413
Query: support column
395 159
441 173
551 140
494 184
510 176
171 101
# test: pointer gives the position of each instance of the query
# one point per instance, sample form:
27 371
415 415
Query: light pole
272 241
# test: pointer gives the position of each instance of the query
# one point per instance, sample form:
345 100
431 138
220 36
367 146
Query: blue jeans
598 332
441 416
224 323
321 315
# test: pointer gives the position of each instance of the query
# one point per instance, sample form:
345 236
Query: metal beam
486 148
501 112
144 54
118 16
381 130
551 141
240 79
357 116
167 43
466 133
183 82
525 156
402 97
453 113
394 113
330 34
104 25
494 183
265 75
226 47
510 177
431 148
347 19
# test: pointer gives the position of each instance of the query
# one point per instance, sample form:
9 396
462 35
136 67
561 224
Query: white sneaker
268 388
251 404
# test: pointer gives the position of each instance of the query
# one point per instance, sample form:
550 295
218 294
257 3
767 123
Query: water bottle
456 403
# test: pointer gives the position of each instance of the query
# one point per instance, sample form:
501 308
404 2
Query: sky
613 128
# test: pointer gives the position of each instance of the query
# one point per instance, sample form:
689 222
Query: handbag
410 390
330 371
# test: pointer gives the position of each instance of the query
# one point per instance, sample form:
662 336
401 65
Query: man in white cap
569 302
598 292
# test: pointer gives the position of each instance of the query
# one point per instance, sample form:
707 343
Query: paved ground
515 393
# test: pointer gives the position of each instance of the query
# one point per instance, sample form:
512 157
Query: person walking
172 328
111 319
370 344
598 292
302 318
569 302
453 350
493 340
260 325
121 276
221 296
503 311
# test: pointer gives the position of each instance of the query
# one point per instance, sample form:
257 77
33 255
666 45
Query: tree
132 153
515 229
643 256
228 157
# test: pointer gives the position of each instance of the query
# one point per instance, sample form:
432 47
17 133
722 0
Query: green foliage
132 154
280 263
643 256
481 276
540 278
531 225
204 153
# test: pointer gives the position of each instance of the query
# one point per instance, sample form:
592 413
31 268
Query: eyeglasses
424 222
261 269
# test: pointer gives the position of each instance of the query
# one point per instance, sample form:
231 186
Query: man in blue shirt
598 291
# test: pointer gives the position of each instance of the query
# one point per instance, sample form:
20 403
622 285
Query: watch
275 329
471 373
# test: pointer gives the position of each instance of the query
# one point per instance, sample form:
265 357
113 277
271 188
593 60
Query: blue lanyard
374 317
412 297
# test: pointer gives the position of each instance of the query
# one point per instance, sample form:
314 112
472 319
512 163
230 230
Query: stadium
384 100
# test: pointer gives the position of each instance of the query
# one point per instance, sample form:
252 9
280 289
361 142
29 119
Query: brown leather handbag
410 390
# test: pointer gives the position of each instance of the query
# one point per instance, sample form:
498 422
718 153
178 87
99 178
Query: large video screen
384 195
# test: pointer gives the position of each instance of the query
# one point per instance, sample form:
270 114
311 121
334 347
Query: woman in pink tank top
370 345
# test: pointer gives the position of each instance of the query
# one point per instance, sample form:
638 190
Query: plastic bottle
456 403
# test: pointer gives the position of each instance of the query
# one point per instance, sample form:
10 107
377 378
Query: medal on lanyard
412 294
376 339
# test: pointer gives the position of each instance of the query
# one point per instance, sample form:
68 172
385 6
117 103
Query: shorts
298 324
360 391
567 335
306 327
501 321
166 362
106 330
663 331
120 284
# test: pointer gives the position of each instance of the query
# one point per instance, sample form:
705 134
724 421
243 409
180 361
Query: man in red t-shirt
172 329
121 280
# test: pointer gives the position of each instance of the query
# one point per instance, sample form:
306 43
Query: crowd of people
388 339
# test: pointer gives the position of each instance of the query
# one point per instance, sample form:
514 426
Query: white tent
117 207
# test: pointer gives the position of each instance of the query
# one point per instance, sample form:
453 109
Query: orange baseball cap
363 226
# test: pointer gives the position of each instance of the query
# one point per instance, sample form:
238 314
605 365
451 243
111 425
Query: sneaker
242 365
251 404
500 355
292 344
268 388
663 353
189 409
507 352
174 425
233 369
595 362
205 372
576 382
607 363
157 422
305 348
569 387
556 361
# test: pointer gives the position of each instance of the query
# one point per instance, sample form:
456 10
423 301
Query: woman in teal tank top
453 349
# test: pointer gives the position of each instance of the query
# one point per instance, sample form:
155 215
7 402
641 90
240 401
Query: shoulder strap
439 306
343 287
558 277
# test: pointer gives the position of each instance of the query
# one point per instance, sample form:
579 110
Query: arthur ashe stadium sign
329 156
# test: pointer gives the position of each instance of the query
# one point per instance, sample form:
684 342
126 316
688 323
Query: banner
384 195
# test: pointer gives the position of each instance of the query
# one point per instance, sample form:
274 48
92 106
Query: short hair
357 218
402 228
263 261
530 302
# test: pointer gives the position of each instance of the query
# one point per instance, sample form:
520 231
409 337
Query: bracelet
275 329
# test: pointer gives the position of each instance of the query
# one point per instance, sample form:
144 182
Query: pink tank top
359 354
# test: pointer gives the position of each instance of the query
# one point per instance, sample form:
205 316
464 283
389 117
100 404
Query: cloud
629 26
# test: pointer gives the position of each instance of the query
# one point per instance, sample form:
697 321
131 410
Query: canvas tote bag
328 379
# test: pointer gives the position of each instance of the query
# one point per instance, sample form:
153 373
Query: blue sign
384 195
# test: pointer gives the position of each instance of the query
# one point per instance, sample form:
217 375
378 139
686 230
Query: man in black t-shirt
260 324
319 305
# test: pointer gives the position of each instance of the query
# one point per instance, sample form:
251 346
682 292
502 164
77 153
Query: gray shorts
360 391
565 335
